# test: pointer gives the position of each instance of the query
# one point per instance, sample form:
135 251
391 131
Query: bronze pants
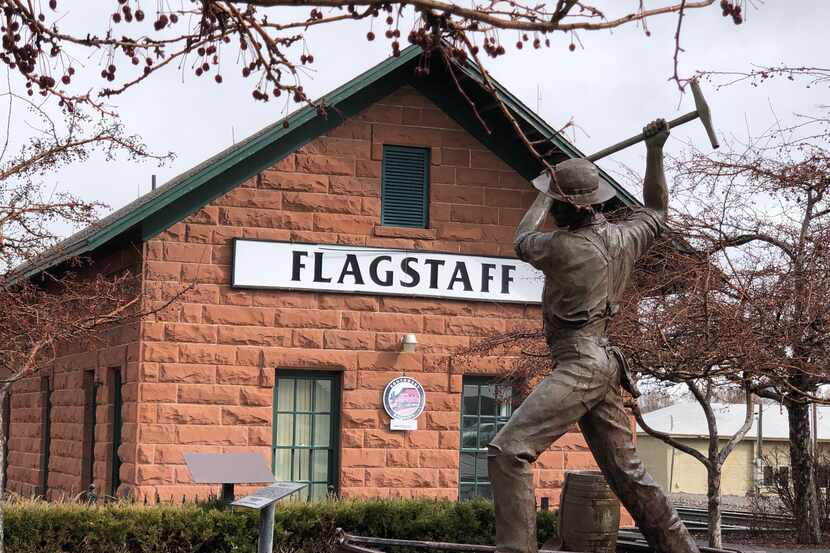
585 388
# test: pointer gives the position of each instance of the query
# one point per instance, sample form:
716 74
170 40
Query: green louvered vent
405 187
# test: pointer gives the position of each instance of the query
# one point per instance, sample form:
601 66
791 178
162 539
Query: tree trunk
713 493
3 391
805 500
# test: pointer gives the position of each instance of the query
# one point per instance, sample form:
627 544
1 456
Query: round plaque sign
404 398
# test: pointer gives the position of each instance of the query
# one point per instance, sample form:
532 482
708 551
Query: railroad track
696 518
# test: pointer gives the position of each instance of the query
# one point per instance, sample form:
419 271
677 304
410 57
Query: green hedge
36 527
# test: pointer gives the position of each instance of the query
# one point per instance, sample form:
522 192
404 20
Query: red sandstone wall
117 347
207 367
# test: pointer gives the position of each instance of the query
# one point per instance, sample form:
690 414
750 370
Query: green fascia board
191 190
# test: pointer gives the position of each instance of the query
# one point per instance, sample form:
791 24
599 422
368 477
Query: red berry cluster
493 50
128 15
422 38
733 10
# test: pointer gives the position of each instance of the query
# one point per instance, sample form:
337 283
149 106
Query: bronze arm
655 190
533 219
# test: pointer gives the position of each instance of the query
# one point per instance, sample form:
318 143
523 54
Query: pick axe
701 112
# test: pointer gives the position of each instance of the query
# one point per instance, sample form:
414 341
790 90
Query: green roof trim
188 192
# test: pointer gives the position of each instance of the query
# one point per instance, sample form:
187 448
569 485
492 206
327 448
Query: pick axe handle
691 116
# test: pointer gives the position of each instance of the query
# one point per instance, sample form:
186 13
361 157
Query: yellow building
676 471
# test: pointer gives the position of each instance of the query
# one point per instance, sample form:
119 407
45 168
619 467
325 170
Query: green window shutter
405 187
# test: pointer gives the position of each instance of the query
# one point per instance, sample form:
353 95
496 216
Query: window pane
319 492
303 431
285 394
468 467
282 464
470 402
504 396
322 396
304 391
320 465
487 431
301 457
285 429
488 400
322 430
484 491
469 423
469 438
481 466
466 491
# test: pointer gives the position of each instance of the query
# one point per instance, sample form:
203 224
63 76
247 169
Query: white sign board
356 270
403 424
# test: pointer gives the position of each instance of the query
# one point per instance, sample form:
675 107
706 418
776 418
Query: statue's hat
578 183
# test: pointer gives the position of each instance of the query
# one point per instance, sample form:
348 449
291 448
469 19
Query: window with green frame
485 408
306 431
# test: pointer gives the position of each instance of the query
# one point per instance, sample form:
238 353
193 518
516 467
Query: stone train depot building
313 252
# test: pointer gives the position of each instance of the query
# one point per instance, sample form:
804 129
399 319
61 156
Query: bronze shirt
586 269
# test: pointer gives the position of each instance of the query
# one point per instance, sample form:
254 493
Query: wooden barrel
589 513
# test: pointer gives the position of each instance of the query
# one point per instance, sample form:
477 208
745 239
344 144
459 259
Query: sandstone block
188 414
325 164
294 181
202 393
233 315
211 435
256 396
401 478
307 338
353 457
437 458
383 438
391 322
307 318
442 421
345 339
403 458
161 352
240 375
385 361
360 418
351 437
158 392
245 415
175 332
193 374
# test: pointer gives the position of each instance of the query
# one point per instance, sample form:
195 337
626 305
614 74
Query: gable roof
686 420
188 192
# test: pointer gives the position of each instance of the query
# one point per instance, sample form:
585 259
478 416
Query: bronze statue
587 262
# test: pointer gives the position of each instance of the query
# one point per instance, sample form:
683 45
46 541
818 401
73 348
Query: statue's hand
656 134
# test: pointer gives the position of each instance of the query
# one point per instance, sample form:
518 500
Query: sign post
264 500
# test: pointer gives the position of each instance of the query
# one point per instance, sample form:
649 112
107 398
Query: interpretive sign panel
267 495
228 468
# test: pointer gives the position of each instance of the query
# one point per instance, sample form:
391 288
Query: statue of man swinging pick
587 262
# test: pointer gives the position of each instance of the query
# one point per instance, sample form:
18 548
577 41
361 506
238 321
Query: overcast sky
611 87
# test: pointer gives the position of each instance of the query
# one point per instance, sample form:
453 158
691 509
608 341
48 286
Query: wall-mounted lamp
408 343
